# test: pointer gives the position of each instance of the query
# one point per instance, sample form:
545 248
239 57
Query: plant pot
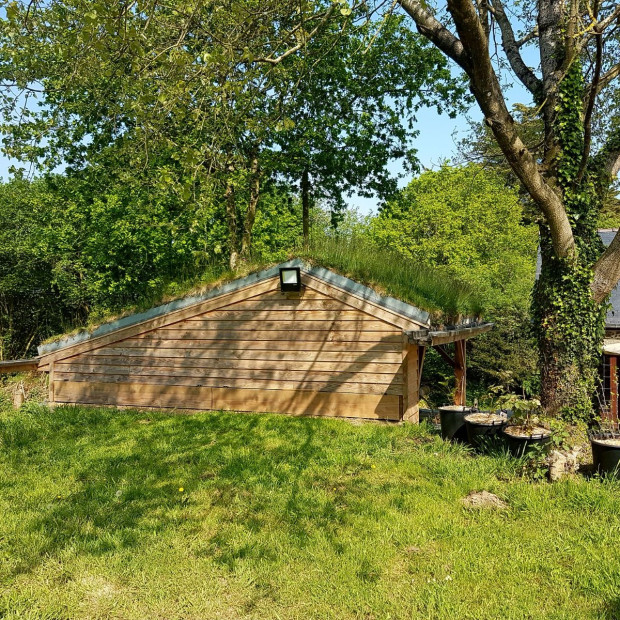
606 452
520 438
452 418
483 426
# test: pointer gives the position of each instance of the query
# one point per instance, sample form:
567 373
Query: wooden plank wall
301 354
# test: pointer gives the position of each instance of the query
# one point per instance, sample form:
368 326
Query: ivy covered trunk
569 322
569 326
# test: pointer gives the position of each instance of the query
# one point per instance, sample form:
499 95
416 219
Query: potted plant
524 429
605 444
480 425
452 420
483 425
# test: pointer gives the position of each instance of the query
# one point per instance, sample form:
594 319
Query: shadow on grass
126 469
611 610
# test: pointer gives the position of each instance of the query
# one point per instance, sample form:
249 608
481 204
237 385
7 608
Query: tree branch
511 49
436 32
599 26
304 40
487 91
528 37
587 121
607 271
604 79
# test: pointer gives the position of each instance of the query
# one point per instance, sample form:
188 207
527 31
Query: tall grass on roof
384 271
428 288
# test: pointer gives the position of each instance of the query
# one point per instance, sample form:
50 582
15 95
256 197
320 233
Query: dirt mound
483 499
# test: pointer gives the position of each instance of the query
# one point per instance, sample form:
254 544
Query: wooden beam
445 356
51 378
428 337
9 366
613 387
460 373
421 358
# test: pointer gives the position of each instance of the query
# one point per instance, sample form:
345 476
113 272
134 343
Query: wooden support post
411 381
613 388
460 373
421 358
50 379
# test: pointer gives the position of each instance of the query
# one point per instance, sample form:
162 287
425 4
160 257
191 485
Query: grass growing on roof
390 273
386 272
121 514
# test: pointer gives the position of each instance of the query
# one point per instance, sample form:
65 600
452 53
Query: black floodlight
290 279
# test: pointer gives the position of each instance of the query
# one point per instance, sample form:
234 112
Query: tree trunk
231 218
569 326
250 216
305 206
577 275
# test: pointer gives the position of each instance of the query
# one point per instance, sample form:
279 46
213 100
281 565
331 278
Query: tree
467 223
146 81
577 46
354 111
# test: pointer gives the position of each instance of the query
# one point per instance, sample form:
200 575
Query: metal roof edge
334 279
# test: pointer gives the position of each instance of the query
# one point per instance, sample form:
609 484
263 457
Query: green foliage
198 97
75 250
506 355
468 224
37 296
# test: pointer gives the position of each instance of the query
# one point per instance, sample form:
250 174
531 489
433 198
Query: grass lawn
286 518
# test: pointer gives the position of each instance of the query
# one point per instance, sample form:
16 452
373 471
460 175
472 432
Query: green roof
414 291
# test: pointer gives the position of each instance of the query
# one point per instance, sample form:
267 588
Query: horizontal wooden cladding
223 362
239 334
359 325
275 374
175 316
229 353
276 305
384 407
361 303
234 381
285 314
305 293
268 345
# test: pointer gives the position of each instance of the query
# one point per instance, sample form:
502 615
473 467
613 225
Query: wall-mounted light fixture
290 279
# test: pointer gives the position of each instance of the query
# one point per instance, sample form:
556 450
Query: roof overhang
432 338
9 366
